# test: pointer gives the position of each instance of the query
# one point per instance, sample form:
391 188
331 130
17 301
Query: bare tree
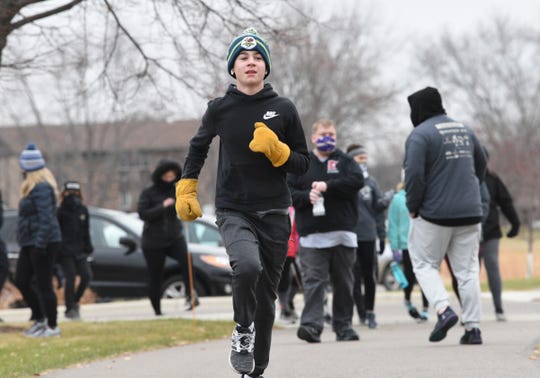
181 40
492 76
334 69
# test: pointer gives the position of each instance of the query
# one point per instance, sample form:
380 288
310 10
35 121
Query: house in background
113 161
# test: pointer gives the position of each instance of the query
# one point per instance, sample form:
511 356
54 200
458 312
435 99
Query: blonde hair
325 123
35 177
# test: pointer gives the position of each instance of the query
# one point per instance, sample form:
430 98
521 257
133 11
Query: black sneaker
347 335
309 334
242 345
370 319
189 305
445 321
413 312
472 337
73 314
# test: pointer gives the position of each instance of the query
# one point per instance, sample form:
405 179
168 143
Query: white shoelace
243 341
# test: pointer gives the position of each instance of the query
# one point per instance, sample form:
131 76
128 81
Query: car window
105 233
9 229
202 233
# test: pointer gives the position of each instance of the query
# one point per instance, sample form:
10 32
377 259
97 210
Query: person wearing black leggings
369 227
4 263
74 223
163 232
38 234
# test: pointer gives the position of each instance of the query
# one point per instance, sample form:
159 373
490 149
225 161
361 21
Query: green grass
83 342
516 284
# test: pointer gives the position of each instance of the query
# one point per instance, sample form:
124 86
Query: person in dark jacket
163 233
4 263
326 203
444 168
370 226
74 223
489 247
261 139
38 234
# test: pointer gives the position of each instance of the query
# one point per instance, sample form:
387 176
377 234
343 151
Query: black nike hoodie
246 180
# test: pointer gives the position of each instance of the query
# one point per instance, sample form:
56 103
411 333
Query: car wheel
388 279
173 287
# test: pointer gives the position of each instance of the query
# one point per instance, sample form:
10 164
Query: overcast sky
428 16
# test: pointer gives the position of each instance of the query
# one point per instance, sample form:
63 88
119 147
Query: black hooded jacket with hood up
161 225
444 164
74 223
246 180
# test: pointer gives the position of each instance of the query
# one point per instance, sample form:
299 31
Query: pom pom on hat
248 40
31 158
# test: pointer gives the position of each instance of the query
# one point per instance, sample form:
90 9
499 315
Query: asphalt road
399 347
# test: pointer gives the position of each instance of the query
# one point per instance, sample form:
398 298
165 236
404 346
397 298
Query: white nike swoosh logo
269 116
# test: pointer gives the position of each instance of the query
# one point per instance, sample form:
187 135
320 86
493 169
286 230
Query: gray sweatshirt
444 166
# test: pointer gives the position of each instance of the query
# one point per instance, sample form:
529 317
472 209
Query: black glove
513 231
381 246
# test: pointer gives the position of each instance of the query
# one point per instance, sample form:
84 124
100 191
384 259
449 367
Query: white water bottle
318 207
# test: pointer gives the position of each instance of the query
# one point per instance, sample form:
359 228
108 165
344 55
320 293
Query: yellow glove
187 205
266 141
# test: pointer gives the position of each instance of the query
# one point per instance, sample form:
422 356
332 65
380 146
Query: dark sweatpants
318 265
40 297
72 267
4 264
257 247
365 274
155 261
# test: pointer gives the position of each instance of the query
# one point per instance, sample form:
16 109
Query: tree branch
27 20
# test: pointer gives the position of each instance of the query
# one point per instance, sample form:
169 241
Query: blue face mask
325 144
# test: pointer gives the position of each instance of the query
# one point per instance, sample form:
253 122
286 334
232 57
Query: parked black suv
118 264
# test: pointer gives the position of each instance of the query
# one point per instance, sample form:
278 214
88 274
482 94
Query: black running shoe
445 321
347 335
309 334
472 337
242 346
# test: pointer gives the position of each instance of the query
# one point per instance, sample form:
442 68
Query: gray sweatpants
317 265
489 252
428 244
257 247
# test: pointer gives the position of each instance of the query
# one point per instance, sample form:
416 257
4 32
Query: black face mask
164 185
72 200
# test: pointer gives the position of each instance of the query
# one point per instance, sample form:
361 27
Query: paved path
398 348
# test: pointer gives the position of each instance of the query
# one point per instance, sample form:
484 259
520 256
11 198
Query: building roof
132 135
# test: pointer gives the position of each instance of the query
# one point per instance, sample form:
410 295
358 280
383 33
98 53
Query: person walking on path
74 223
444 167
489 247
290 280
39 236
261 139
163 233
4 263
326 203
369 227
398 235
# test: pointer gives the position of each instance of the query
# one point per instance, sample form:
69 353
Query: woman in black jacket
39 237
163 233
76 246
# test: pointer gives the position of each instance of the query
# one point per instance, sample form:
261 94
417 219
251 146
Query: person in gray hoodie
444 167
